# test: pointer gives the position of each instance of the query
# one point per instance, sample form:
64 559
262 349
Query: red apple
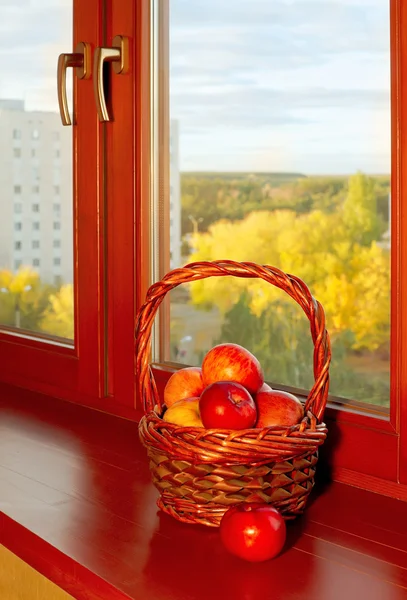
254 532
231 362
185 383
265 388
276 407
227 405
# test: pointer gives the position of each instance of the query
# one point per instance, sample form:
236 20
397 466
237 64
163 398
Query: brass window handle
118 55
81 61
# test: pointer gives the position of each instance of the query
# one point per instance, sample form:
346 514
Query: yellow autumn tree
348 273
58 317
21 297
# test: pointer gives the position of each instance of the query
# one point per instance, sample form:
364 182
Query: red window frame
363 448
64 371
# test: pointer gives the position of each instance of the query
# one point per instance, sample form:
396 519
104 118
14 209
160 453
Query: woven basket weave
200 472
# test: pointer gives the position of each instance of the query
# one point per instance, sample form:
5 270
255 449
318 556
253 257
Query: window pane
280 155
36 255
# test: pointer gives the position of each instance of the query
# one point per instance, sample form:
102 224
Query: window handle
81 61
118 55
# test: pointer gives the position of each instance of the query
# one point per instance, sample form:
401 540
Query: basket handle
293 286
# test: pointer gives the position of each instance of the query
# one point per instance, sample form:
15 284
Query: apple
185 413
227 405
185 383
254 532
265 388
275 407
231 362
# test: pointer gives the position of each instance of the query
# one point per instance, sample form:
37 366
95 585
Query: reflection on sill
35 336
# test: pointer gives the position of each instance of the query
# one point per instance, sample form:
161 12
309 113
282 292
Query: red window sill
78 506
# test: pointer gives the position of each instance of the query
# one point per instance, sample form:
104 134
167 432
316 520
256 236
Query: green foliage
280 338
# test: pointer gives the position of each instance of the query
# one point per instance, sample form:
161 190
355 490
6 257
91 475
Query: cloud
291 70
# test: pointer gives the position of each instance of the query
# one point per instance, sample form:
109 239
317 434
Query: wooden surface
79 506
19 581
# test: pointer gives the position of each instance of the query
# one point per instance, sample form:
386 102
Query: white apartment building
36 224
175 197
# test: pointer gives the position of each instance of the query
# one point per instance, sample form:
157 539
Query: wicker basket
199 472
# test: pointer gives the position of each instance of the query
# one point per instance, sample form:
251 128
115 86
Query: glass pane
281 129
36 226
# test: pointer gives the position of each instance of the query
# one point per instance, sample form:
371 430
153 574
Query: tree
333 256
58 318
360 215
23 298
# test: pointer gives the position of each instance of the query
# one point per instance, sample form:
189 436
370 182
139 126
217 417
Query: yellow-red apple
231 362
276 407
185 383
184 413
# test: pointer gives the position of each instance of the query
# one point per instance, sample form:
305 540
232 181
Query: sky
256 85
280 85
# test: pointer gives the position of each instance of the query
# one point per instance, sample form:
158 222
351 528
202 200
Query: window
17 245
35 189
36 262
18 208
329 188
36 225
56 243
18 226
35 244
57 225
263 125
17 189
57 153
57 262
56 207
36 208
33 152
17 152
35 134
16 134
35 174
17 264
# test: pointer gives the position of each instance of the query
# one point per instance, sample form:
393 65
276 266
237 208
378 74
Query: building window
33 152
36 174
57 243
57 208
36 262
18 209
17 264
16 134
35 244
57 153
17 152
56 190
57 225
17 245
36 225
17 189
35 189
36 208
18 226
35 134
57 261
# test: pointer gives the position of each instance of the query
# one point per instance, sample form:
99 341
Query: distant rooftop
12 104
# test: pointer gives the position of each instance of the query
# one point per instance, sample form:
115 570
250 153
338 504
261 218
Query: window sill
78 506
